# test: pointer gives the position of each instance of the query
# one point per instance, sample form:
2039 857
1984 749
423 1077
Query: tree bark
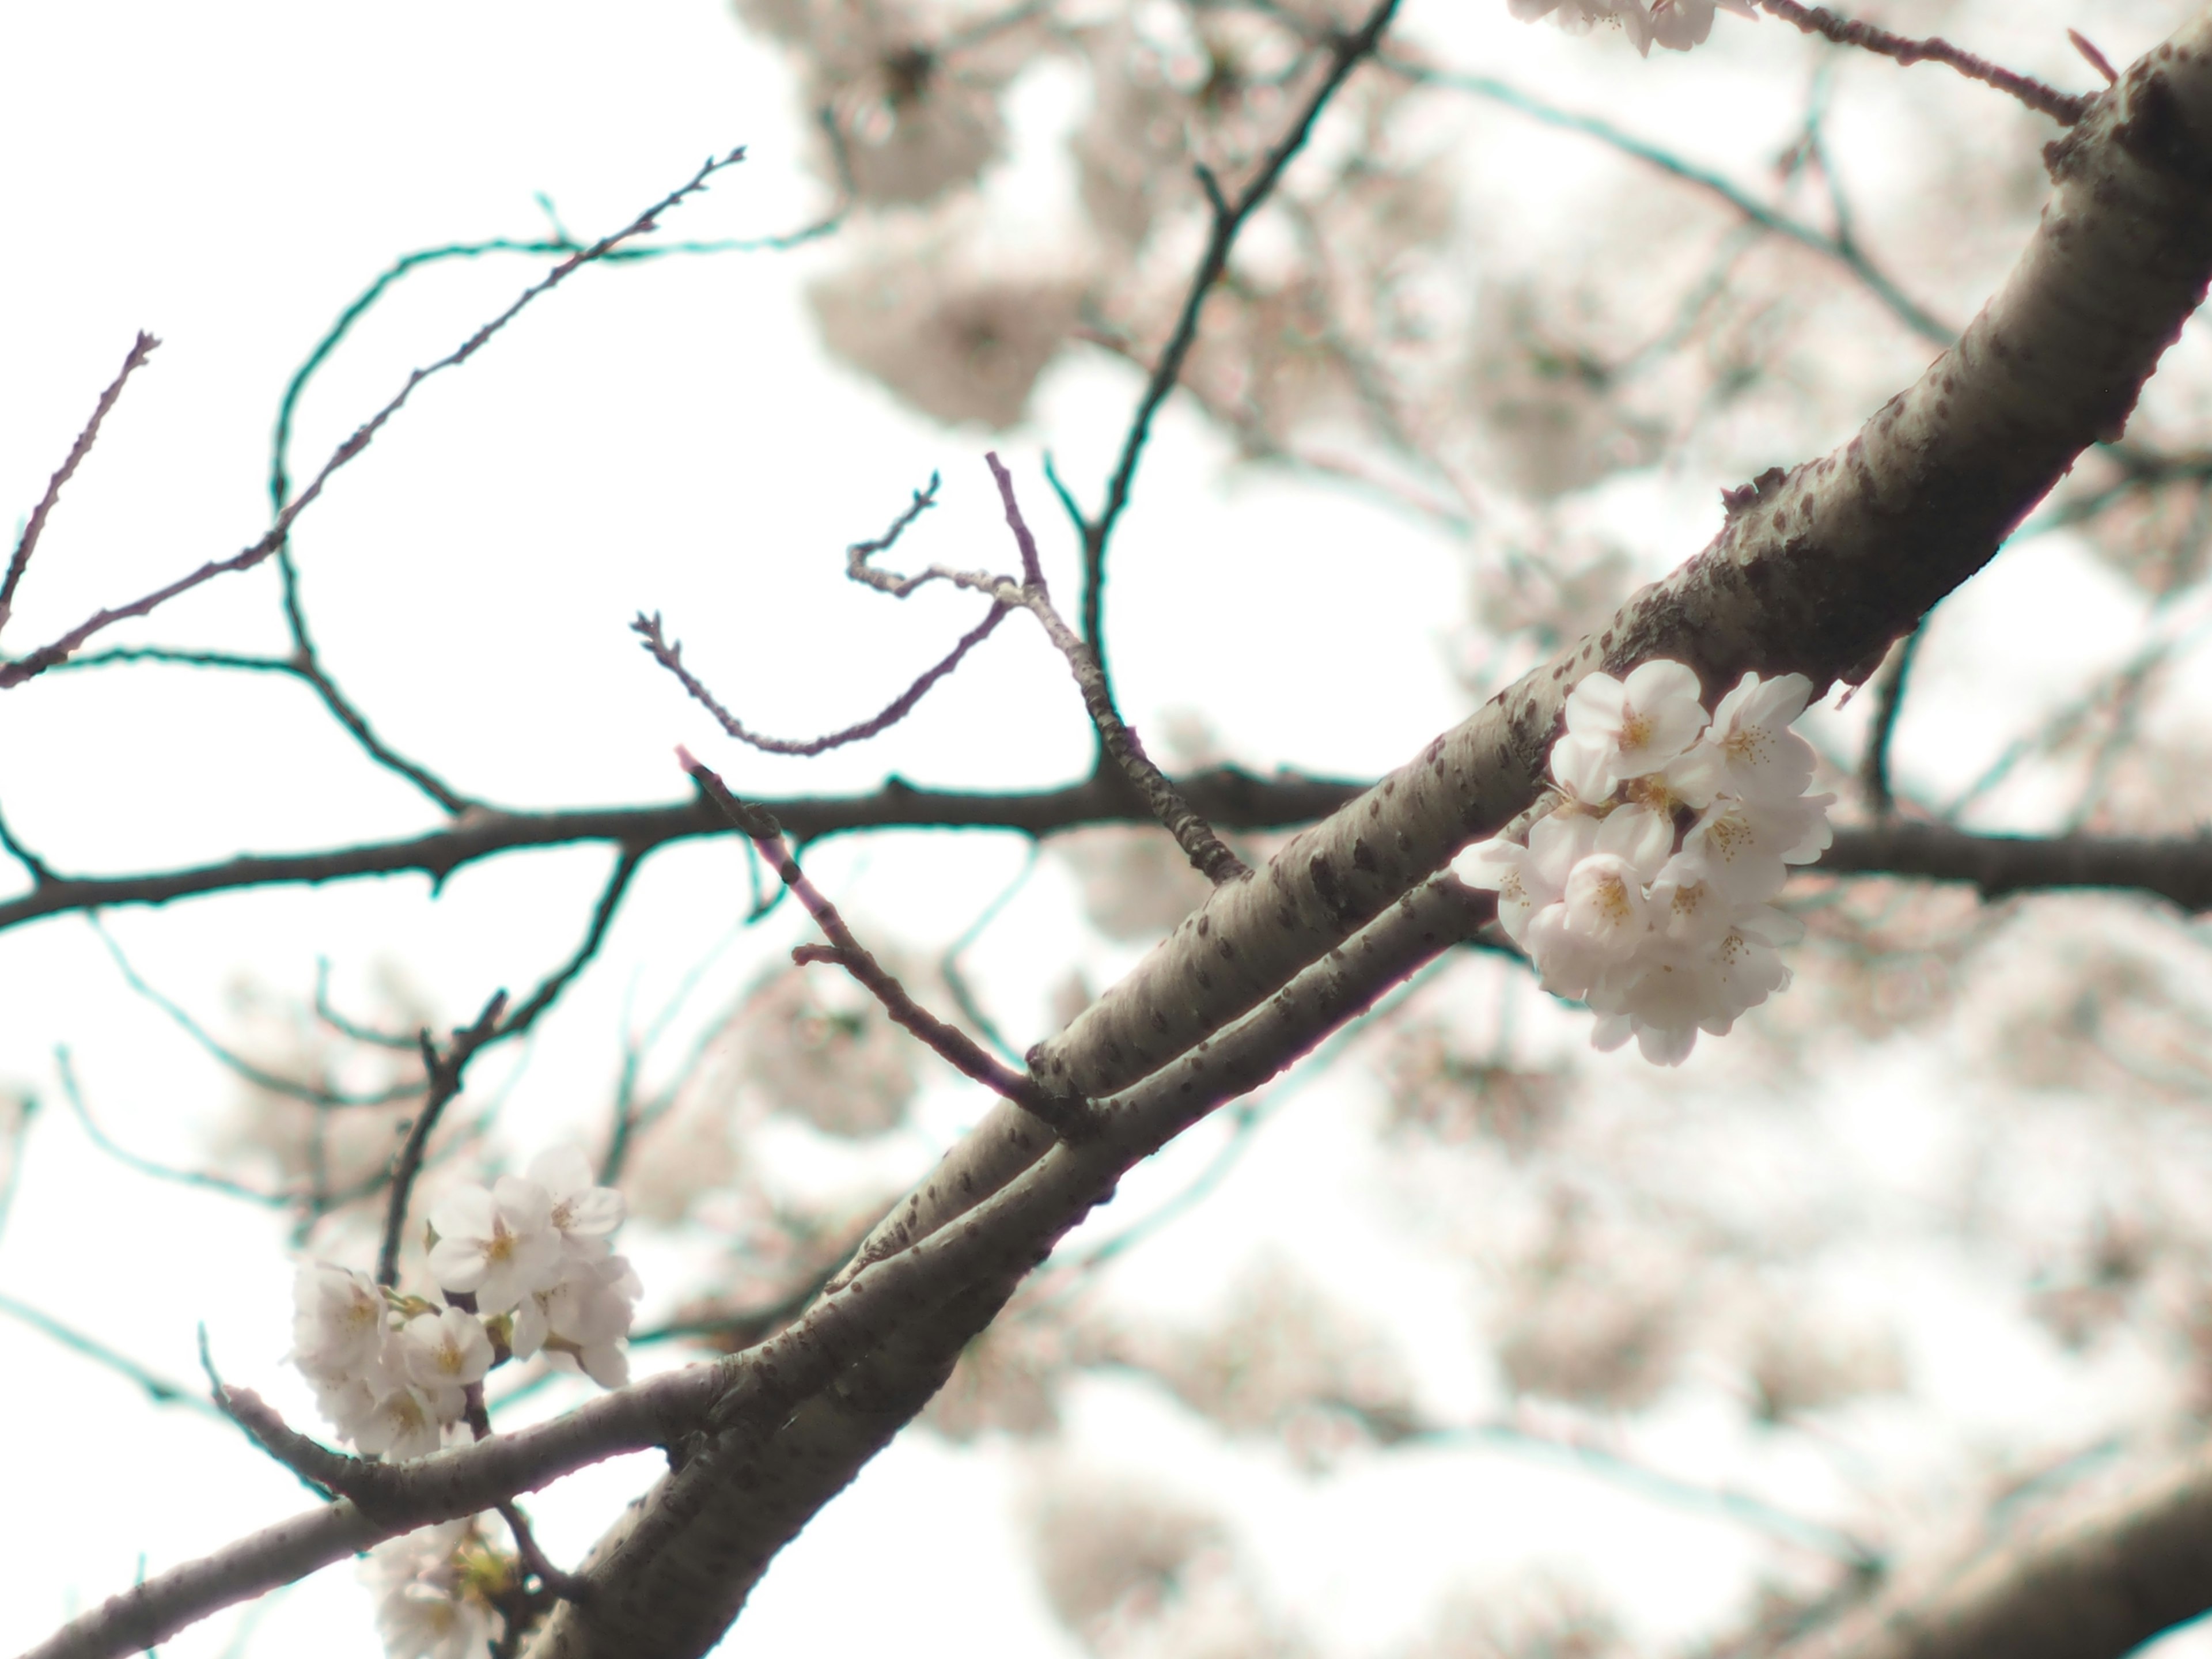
1814 571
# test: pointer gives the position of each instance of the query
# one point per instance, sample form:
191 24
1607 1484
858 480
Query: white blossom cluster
434 1589
1677 25
1644 894
391 1370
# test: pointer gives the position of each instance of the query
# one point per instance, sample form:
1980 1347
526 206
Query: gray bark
1814 571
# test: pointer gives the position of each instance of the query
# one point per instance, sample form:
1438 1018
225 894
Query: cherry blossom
585 1214
1623 729
445 1350
1751 752
581 1324
338 1318
430 1590
497 1245
1643 892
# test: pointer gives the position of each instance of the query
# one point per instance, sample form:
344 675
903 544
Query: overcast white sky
667 438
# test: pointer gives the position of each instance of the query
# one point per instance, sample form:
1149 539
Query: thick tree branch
2096 1588
1815 571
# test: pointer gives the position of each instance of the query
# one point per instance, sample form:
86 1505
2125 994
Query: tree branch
142 348
1814 571
2062 107
24 668
2096 1588
1346 53
443 1072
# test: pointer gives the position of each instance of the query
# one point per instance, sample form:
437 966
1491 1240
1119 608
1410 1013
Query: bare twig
2065 108
142 348
567 1586
1889 699
602 914
24 668
669 653
259 1076
16 1109
445 1071
1208 854
206 1180
2096 59
33 867
948 965
1346 52
1067 1118
1845 253
162 1390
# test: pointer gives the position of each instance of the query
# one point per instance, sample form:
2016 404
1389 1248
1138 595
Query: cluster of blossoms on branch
1677 25
437 1590
1645 893
526 1267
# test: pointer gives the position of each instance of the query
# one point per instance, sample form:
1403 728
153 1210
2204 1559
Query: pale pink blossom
1527 878
585 1214
406 1422
498 1245
1750 751
338 1318
445 1350
582 1323
1633 726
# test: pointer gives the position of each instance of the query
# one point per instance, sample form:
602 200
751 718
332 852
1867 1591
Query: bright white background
669 438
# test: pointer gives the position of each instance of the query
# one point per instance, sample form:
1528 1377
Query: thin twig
602 914
162 1390
1346 52
2064 107
311 1462
1849 255
27 544
669 653
353 1031
259 1076
948 965
1889 698
566 1585
25 668
206 1181
444 1072
1069 1118
19 1109
1208 853
33 866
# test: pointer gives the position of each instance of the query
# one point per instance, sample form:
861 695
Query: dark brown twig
1344 53
566 1585
27 544
1069 1118
1225 794
2097 59
24 668
444 1070
1208 853
669 653
2064 107
1889 699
